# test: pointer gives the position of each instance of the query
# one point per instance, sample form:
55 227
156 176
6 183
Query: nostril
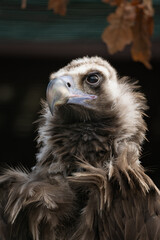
68 84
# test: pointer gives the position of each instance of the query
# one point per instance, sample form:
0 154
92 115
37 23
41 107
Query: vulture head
91 113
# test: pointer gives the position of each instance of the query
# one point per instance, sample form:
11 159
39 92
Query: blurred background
35 42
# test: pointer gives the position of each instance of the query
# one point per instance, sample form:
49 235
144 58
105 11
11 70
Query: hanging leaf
23 4
59 6
142 30
141 48
150 26
146 5
119 32
148 8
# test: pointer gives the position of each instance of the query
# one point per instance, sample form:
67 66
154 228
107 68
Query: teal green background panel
85 20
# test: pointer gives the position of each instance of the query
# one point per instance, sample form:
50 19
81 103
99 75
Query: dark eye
93 79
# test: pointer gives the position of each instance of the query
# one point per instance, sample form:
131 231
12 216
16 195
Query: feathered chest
82 141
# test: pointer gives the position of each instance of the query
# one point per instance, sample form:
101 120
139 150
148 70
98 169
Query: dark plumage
88 182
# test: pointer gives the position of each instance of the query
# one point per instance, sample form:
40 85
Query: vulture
88 182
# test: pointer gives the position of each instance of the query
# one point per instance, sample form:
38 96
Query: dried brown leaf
23 4
59 6
148 8
141 48
150 26
119 33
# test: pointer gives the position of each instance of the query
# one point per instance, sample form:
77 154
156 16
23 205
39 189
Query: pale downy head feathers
116 97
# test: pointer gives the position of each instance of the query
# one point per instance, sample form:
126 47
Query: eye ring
93 79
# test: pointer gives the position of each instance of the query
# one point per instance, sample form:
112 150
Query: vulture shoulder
88 182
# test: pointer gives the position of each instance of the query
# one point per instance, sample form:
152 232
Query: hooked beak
62 91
